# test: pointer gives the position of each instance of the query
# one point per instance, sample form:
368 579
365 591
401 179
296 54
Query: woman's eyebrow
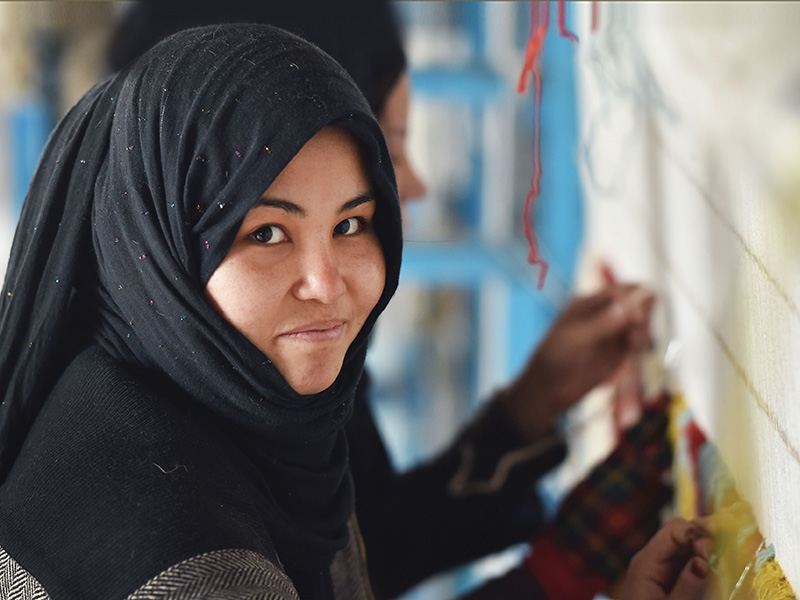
289 207
296 209
357 201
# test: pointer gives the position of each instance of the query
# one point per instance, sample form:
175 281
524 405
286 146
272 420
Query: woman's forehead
326 175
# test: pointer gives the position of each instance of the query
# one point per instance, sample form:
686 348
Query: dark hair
362 35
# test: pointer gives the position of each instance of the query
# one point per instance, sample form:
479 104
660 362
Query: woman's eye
269 234
350 226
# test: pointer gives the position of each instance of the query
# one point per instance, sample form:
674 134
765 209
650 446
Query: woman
202 254
426 520
205 247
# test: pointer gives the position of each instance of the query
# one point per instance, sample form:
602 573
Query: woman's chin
317 380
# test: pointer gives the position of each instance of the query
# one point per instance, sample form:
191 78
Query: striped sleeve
221 575
16 582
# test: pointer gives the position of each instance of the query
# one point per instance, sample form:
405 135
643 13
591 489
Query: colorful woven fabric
609 516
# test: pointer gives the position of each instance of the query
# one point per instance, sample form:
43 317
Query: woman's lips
316 332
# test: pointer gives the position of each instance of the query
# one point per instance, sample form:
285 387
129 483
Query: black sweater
420 522
117 486
119 489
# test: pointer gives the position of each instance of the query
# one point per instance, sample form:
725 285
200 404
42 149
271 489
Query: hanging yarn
562 23
540 19
539 22
770 583
595 15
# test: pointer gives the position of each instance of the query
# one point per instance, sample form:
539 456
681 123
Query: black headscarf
362 35
137 199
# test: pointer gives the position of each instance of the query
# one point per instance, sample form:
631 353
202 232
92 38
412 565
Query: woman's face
393 119
306 267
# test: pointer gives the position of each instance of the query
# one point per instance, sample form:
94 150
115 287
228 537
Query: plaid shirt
609 516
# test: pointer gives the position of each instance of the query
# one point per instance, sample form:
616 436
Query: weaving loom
690 158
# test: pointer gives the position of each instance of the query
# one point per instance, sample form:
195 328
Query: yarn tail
770 583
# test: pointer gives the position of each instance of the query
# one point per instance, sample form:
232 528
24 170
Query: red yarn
695 440
562 23
540 17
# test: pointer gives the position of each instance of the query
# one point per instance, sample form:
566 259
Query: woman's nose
409 185
320 278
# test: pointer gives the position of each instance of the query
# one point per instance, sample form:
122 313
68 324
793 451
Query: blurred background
670 151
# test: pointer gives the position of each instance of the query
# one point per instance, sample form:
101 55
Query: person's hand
672 566
586 346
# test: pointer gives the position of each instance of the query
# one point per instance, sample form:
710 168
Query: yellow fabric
771 584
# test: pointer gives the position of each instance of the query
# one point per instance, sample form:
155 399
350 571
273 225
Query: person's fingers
703 547
638 305
705 523
667 567
648 304
692 581
594 304
670 547
683 533
608 321
626 307
638 339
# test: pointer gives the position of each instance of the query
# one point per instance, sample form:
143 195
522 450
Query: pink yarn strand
562 23
540 18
